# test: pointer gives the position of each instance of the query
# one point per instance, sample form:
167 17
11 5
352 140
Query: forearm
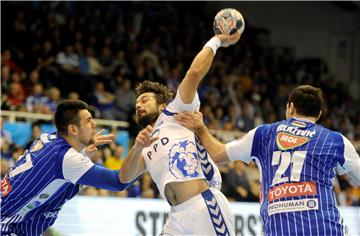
133 165
200 65
101 177
198 69
213 146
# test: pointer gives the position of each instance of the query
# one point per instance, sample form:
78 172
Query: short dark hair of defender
67 112
162 93
307 100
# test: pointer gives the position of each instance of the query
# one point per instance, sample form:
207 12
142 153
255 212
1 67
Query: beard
148 119
87 142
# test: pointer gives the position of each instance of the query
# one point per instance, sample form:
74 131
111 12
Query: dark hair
308 100
37 123
162 93
67 112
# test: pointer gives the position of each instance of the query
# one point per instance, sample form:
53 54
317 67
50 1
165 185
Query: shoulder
177 105
265 128
329 134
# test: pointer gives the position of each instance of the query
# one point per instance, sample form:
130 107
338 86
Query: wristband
214 43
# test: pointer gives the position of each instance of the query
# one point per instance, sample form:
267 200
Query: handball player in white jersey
179 166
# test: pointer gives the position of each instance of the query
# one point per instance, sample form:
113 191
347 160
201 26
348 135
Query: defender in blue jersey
298 161
51 171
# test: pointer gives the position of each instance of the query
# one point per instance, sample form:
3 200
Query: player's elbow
220 156
193 74
124 177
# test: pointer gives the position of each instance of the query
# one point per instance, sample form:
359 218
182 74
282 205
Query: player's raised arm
201 64
134 164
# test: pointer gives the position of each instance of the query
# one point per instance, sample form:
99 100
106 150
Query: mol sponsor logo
286 141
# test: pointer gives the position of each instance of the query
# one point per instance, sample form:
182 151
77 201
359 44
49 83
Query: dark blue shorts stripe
216 216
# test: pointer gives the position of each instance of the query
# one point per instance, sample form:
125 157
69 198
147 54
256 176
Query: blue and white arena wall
85 215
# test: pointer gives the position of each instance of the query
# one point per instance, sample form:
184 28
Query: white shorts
208 213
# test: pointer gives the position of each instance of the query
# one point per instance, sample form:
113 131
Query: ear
320 113
73 130
291 108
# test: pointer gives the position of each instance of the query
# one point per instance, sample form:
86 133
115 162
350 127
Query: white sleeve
352 159
177 105
75 165
240 149
354 176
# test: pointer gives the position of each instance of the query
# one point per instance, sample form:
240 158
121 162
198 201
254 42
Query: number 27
297 158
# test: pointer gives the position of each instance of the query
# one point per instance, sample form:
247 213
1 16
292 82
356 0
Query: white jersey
177 156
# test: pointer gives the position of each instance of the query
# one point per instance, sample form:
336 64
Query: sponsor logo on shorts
51 214
293 205
291 190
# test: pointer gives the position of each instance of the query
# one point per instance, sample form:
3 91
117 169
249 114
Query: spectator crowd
99 51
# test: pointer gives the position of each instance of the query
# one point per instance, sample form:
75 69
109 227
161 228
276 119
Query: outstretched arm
201 65
134 164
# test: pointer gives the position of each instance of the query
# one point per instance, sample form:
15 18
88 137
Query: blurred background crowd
98 52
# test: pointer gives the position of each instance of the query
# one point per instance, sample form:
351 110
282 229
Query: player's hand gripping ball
228 21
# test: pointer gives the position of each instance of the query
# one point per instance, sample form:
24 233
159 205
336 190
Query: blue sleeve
260 140
101 177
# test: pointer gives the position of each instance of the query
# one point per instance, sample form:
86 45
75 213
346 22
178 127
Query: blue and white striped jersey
42 180
298 161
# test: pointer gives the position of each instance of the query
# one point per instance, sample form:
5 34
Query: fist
228 40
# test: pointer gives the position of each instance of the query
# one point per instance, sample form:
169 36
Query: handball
228 21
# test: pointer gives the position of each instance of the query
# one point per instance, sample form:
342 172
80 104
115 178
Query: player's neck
301 117
74 143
